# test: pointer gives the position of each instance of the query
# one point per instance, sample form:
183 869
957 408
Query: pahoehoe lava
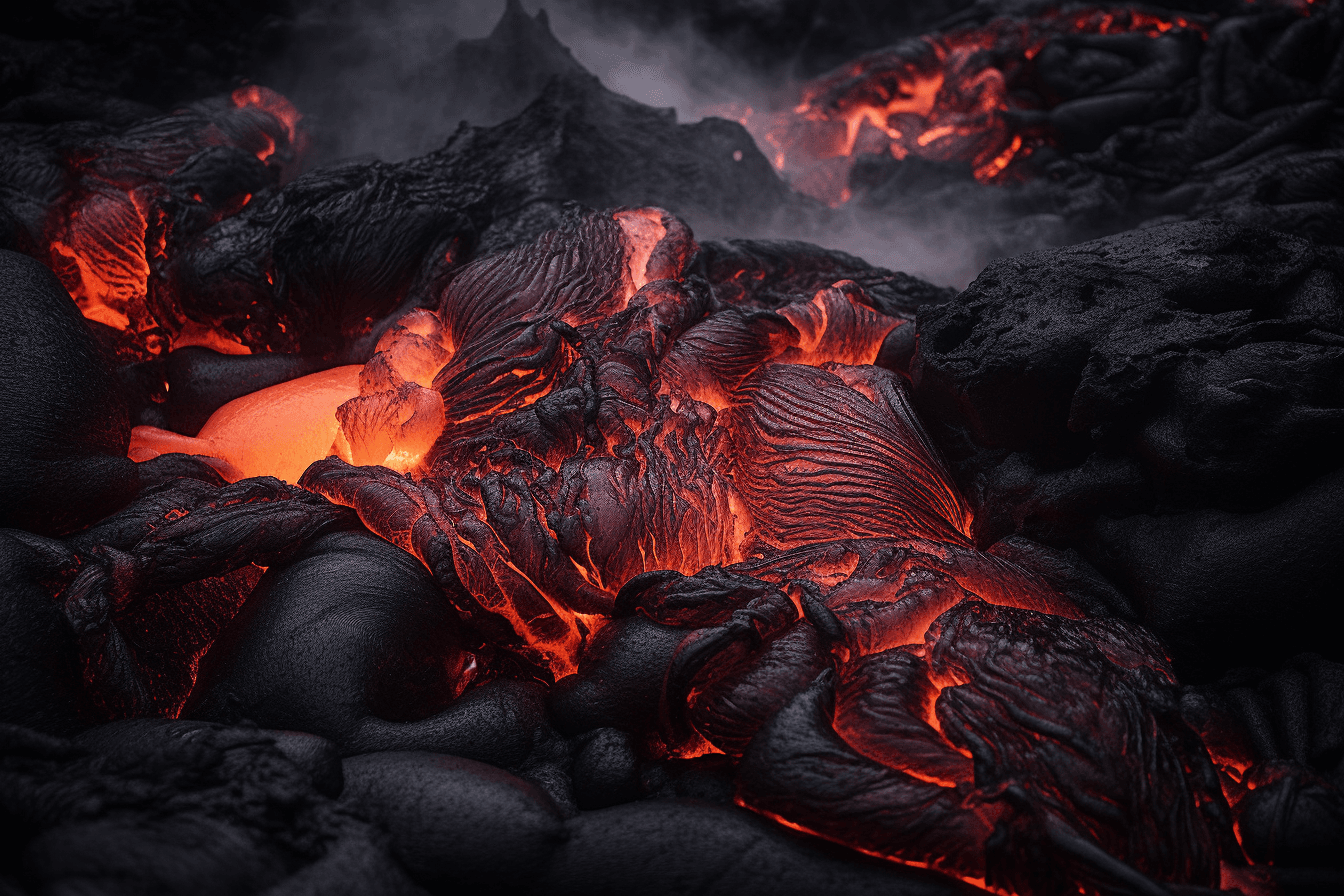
467 522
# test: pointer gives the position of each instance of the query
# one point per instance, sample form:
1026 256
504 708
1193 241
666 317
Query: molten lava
579 438
968 95
107 234
276 431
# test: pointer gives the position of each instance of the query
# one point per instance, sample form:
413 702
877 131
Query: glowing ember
273 104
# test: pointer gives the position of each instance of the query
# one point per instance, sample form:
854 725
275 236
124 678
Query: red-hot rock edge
958 96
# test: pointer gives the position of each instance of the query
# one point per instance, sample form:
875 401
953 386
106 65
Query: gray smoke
392 79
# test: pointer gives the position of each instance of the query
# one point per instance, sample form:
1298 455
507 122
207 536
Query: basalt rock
767 274
343 247
38 654
147 590
1225 113
608 852
455 822
179 807
350 639
66 433
63 444
1166 402
71 62
387 635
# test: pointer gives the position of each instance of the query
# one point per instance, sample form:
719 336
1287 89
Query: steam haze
382 79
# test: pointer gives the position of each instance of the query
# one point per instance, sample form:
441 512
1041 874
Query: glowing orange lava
105 235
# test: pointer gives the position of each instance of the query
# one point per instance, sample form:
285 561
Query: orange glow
571 416
277 431
644 229
112 227
275 105
942 97
99 257
208 337
970 879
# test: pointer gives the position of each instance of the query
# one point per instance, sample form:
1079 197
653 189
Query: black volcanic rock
1294 714
65 433
314 267
177 807
290 659
662 848
38 658
455 822
498 75
620 678
1227 588
147 590
1166 401
61 56
580 142
1231 116
350 639
606 770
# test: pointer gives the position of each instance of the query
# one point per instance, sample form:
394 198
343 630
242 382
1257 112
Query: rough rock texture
352 242
1168 403
178 807
351 639
65 429
667 848
347 616
38 657
865 673
147 590
104 204
189 807
769 273
65 61
455 821
1160 406
1229 115
1290 720
63 443
1294 713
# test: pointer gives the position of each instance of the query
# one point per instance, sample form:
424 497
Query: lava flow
576 444
970 95
577 440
